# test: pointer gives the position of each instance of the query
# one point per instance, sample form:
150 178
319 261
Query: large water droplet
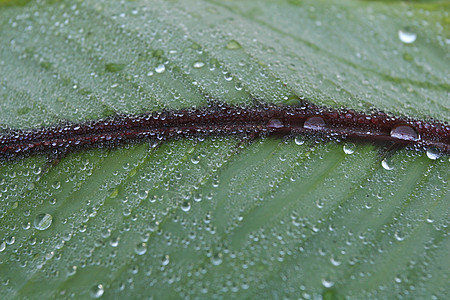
406 36
198 64
43 221
71 270
405 132
186 206
216 259
233 45
274 124
165 260
433 153
349 148
299 140
314 123
387 164
160 68
141 248
327 282
97 291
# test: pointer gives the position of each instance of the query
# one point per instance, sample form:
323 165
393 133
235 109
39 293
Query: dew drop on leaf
233 44
327 283
186 206
198 64
97 291
387 164
314 123
433 153
43 221
406 36
405 132
299 140
141 248
165 260
349 148
160 68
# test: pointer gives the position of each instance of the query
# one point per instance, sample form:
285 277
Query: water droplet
43 221
349 148
195 159
228 76
216 259
299 140
233 44
165 260
274 124
335 262
141 248
114 242
399 236
387 164
143 194
406 36
72 270
114 67
314 123
405 132
2 246
97 291
327 283
198 64
433 153
160 68
10 240
186 206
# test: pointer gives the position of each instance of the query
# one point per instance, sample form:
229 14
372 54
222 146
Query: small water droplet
165 260
406 36
198 64
228 76
143 194
141 248
387 164
216 259
314 123
433 153
160 68
327 283
114 67
43 221
349 148
399 236
2 246
72 270
186 206
195 159
405 132
299 140
10 240
97 291
233 44
114 242
274 124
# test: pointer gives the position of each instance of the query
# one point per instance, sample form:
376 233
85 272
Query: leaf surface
219 218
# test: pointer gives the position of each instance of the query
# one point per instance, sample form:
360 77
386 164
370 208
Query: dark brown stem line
222 119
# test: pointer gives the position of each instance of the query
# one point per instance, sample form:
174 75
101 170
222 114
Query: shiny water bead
405 132
274 124
315 123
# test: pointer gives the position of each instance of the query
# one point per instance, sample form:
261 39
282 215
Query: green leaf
217 218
